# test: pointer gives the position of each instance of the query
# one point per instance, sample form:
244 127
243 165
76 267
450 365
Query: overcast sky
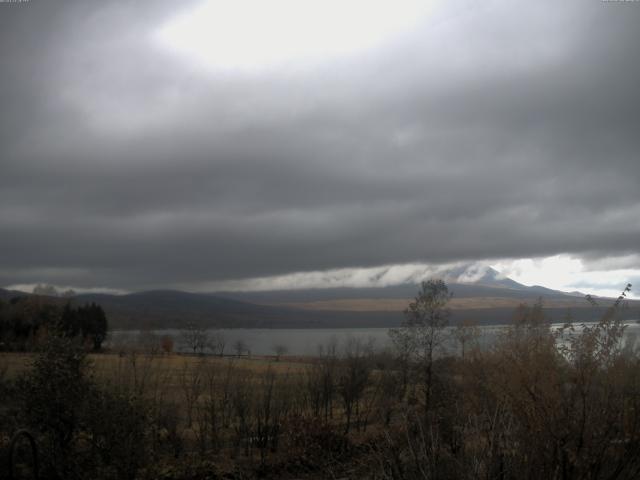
200 144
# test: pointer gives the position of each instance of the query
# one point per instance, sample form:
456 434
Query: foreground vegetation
538 404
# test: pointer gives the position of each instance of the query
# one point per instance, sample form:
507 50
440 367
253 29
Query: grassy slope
396 304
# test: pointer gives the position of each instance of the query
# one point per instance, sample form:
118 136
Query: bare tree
242 402
240 347
422 332
214 413
195 337
465 333
321 380
217 343
279 350
192 385
353 379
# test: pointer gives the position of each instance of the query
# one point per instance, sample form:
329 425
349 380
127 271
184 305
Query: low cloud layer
483 131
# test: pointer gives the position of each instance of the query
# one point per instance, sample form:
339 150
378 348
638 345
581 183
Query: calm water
261 341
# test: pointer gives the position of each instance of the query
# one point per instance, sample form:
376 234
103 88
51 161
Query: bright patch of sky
603 277
254 34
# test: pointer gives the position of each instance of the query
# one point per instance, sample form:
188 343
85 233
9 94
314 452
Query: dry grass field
398 304
108 365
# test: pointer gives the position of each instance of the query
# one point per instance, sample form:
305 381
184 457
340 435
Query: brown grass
398 304
107 364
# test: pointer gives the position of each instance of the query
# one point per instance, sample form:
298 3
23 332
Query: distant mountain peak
478 274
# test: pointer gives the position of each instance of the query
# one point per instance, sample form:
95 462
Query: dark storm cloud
501 130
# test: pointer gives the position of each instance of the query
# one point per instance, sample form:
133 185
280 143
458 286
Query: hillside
490 299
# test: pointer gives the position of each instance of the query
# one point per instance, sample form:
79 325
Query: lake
300 341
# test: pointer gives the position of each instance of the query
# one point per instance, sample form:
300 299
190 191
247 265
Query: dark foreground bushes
82 429
540 404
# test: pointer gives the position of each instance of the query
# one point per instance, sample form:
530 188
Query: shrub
51 398
117 426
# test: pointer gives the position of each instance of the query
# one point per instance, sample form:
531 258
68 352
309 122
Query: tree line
25 322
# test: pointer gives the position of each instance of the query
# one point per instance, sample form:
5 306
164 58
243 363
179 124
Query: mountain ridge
487 298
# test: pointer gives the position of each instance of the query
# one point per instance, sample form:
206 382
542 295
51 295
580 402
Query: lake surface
299 341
